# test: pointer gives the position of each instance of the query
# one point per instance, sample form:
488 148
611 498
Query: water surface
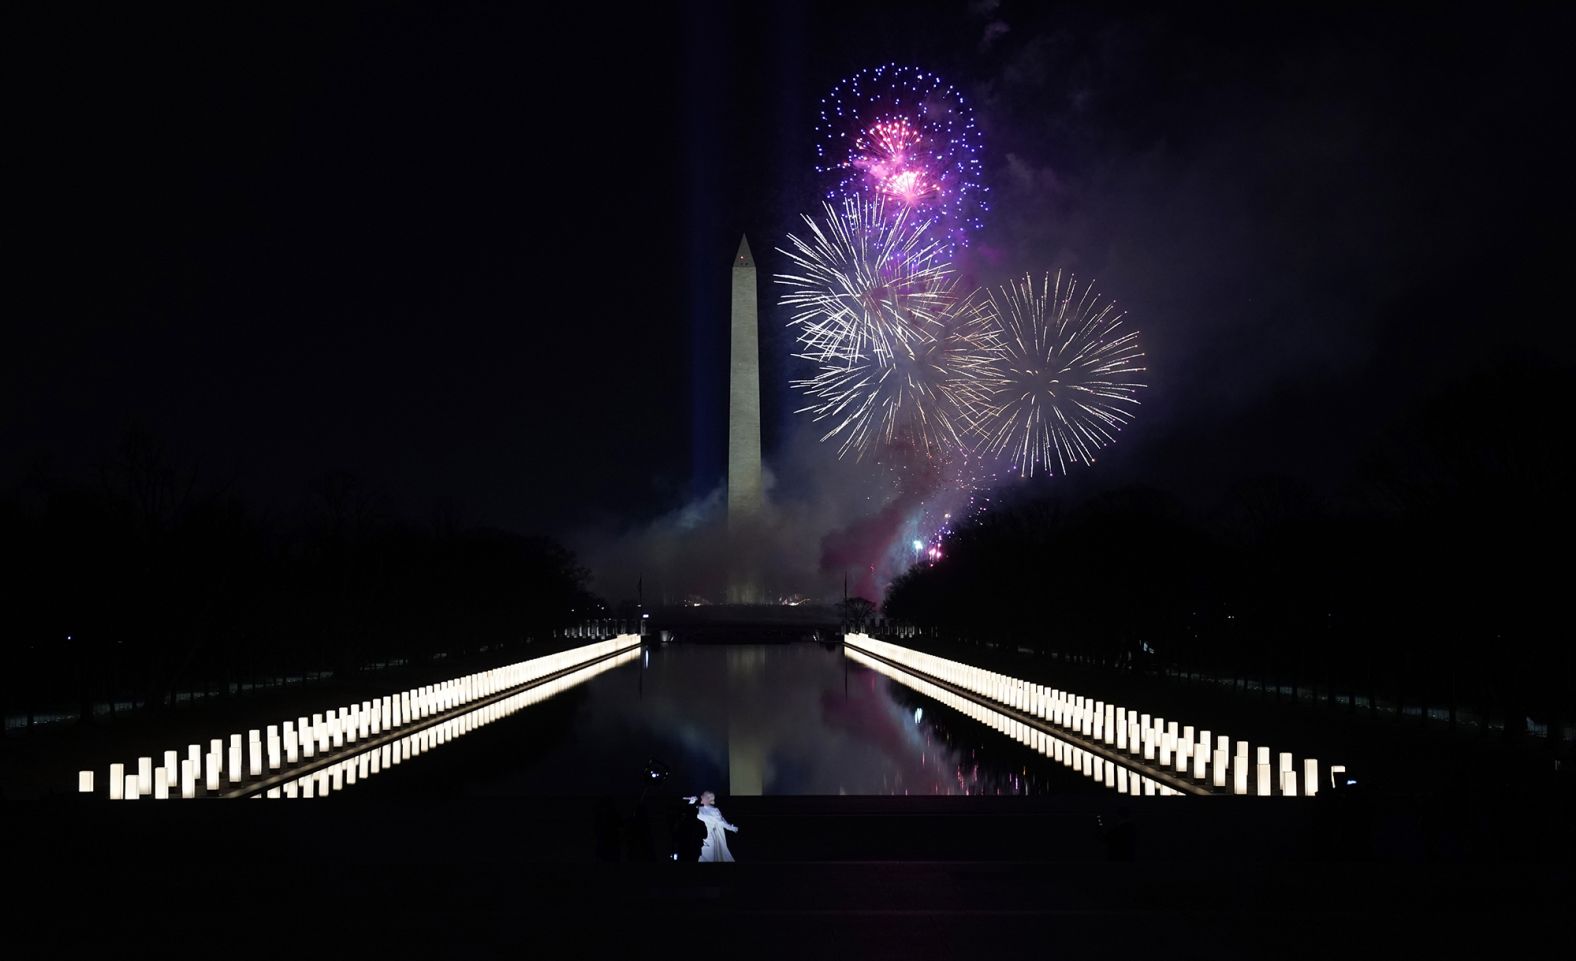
787 719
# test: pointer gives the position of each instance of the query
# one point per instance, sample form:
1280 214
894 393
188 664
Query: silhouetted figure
638 846
608 831
1120 834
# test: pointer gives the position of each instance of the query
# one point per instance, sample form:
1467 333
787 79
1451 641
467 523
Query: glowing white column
1121 729
194 755
1310 777
274 752
1166 737
1263 782
235 759
273 792
336 726
132 787
1289 784
212 779
161 785
292 789
1220 769
1239 774
84 782
254 754
171 767
292 750
117 782
1184 748
145 773
1201 755
1148 729
188 779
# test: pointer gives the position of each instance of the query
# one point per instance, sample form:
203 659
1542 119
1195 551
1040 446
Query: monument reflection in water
772 719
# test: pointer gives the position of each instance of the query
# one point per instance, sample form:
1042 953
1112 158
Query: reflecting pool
785 719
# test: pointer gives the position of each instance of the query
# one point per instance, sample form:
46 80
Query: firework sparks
1063 383
860 274
917 389
904 135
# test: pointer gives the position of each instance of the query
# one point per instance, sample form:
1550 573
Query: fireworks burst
861 274
903 135
1062 383
917 390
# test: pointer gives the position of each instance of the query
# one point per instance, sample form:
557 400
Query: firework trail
905 136
1062 383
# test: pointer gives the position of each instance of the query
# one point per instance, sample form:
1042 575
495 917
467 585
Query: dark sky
478 256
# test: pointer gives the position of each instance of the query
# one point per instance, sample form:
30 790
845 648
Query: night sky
478 256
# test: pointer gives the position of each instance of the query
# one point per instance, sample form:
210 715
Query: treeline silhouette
146 587
1435 577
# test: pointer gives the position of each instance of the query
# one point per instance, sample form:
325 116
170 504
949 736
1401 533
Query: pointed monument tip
743 258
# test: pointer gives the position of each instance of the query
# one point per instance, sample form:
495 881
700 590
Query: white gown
715 847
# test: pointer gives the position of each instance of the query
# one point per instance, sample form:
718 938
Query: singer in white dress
715 847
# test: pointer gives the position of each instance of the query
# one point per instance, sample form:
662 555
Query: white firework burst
862 269
1064 380
916 389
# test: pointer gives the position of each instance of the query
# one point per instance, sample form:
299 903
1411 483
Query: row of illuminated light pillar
1207 759
349 771
278 747
1101 770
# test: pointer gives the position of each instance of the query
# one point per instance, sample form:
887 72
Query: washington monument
746 494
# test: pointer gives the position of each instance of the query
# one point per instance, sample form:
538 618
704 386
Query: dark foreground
817 877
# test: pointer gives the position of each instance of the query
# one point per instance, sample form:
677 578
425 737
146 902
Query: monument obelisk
746 492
